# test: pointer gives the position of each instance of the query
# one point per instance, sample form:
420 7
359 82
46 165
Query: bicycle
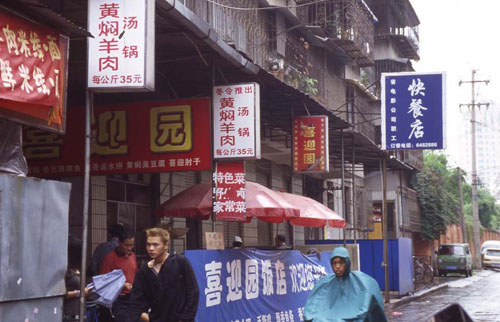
423 273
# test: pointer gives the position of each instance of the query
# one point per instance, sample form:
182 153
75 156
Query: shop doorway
129 202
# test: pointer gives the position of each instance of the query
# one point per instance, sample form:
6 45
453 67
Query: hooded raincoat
355 296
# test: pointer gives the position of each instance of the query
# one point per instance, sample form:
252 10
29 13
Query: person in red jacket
122 258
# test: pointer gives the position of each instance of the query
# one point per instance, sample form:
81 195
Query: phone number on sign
427 145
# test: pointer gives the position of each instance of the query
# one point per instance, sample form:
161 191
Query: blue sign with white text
413 111
242 285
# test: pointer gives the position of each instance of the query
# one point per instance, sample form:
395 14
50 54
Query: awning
196 202
313 213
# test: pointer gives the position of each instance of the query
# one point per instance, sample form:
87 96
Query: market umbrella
313 213
196 202
108 286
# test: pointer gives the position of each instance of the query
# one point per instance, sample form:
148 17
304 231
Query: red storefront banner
310 144
33 64
132 138
229 191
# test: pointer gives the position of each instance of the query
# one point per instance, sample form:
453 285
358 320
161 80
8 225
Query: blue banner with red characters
243 285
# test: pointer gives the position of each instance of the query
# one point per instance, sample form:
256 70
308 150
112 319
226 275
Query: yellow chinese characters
171 129
309 145
41 145
110 134
309 158
307 131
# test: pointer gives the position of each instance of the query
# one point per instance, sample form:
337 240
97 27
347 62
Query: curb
417 296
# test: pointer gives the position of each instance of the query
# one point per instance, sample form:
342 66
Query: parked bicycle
423 271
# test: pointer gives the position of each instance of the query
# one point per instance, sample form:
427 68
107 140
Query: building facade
310 58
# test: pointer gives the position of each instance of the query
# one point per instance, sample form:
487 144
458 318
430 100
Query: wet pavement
479 295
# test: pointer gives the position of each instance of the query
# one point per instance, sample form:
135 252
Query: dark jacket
172 295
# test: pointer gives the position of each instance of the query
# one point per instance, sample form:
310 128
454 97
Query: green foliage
436 195
437 189
309 85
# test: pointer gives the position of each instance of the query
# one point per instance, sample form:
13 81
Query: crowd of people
165 289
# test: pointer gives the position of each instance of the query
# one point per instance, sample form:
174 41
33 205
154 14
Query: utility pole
475 209
384 231
461 206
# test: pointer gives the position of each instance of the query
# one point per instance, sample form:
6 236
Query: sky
457 36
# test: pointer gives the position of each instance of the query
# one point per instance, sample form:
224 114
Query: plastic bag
108 286
11 148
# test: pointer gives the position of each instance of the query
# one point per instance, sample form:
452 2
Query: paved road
479 295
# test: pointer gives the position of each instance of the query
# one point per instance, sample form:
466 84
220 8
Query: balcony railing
348 23
411 41
359 111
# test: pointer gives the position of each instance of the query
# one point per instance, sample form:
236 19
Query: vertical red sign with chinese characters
33 62
229 191
236 115
310 144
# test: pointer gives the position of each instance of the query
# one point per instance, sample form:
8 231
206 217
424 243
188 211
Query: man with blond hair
166 285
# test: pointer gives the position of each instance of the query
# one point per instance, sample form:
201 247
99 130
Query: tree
437 191
437 195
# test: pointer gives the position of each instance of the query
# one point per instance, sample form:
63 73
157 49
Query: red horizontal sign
133 138
33 63
310 144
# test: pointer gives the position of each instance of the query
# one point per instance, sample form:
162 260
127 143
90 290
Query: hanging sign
33 66
214 240
413 111
131 138
310 144
121 54
229 191
236 117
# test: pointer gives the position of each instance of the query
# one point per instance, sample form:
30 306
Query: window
129 199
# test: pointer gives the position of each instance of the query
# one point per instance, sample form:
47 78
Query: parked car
491 258
454 258
489 244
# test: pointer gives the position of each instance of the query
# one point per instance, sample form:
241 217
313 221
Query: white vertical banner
121 54
236 121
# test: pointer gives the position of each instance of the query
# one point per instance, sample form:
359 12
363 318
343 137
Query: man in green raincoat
346 295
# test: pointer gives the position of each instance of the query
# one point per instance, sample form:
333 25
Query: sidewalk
439 285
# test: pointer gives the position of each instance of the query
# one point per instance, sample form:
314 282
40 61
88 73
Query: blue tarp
254 285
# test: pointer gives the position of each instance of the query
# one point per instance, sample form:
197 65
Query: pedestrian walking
166 285
345 295
114 233
71 303
122 258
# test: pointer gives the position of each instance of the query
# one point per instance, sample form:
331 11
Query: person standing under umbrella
166 285
122 258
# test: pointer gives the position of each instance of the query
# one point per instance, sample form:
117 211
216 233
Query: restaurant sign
236 117
229 191
413 111
132 138
33 65
310 144
121 54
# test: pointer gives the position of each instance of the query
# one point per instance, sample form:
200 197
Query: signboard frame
385 113
256 153
149 52
296 150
